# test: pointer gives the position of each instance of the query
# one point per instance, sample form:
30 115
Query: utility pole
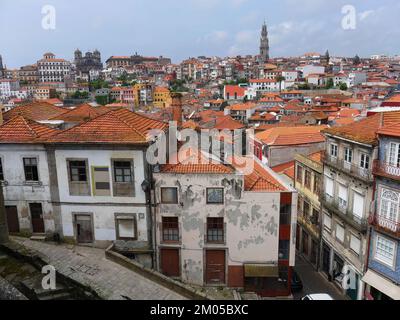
3 220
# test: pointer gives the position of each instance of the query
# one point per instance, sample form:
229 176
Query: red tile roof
195 162
81 113
365 131
37 111
117 126
231 90
21 130
259 180
286 168
285 136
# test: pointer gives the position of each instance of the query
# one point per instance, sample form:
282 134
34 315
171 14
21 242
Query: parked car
319 297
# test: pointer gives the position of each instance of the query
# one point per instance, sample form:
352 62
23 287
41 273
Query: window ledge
33 183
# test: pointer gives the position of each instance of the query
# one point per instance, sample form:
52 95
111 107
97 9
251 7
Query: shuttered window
355 244
329 186
358 205
340 233
101 181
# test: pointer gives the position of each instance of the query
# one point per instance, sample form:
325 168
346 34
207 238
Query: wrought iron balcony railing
387 225
384 169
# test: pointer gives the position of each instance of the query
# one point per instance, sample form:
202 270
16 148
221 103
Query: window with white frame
364 161
327 222
358 205
385 250
343 196
394 154
355 244
329 187
389 208
334 150
348 155
340 232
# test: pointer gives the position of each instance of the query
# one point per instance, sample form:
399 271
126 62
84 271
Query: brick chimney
177 108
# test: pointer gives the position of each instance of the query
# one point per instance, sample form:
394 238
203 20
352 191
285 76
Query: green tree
103 100
343 86
330 84
356 60
280 79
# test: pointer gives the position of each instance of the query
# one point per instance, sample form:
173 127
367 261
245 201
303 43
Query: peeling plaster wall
103 208
251 219
18 193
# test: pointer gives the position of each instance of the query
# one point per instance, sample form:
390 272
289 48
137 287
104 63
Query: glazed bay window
78 177
215 195
215 230
385 251
170 229
123 182
169 195
389 209
31 169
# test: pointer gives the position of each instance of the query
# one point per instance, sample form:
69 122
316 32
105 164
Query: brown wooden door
12 219
37 217
170 262
215 267
84 230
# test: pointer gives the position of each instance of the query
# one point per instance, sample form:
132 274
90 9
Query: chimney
177 108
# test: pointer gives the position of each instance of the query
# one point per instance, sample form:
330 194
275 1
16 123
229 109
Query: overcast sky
184 28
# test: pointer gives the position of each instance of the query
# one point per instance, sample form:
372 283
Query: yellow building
162 97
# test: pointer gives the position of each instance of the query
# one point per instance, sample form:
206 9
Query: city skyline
316 26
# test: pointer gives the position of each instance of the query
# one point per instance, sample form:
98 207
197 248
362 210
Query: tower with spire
1 67
264 44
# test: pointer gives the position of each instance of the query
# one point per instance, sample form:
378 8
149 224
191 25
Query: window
31 169
348 155
334 150
215 230
394 155
123 179
1 170
126 227
170 229
307 179
101 181
389 205
169 195
317 185
327 222
329 187
306 209
122 171
340 232
355 244
358 205
364 162
343 197
215 195
385 250
300 174
78 171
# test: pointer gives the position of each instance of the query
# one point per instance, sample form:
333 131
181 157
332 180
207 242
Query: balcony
333 205
383 169
386 225
349 168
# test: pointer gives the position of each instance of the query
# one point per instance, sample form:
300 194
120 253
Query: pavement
314 282
90 267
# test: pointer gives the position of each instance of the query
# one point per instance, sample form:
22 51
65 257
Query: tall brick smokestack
177 108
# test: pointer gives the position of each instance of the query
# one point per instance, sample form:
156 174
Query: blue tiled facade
392 274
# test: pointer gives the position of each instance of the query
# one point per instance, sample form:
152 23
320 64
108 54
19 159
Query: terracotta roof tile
21 130
37 111
283 136
81 113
